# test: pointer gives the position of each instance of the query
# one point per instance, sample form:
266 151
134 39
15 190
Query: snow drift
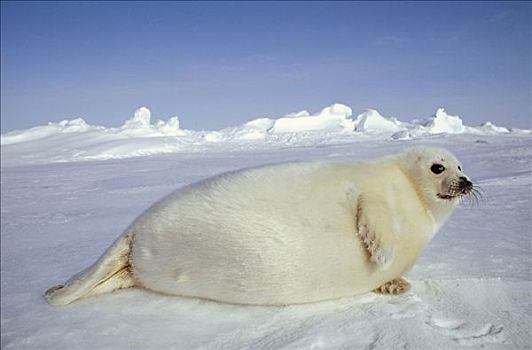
71 140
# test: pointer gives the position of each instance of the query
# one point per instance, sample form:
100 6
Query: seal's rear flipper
112 271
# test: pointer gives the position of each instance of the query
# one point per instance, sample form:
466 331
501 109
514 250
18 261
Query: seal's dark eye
437 168
459 168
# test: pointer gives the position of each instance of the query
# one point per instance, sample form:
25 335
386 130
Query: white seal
284 234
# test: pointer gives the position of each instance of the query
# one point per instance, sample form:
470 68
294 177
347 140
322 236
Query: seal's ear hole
437 168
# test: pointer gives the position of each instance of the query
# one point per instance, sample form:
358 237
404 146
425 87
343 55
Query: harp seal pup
284 234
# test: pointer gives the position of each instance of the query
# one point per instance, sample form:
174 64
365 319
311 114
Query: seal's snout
465 185
458 188
464 180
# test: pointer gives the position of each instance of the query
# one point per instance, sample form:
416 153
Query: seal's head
438 177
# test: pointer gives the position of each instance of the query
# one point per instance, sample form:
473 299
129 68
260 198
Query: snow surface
471 288
71 140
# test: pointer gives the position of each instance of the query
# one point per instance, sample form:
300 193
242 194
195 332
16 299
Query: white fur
290 233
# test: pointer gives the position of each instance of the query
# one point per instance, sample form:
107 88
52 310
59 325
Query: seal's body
282 234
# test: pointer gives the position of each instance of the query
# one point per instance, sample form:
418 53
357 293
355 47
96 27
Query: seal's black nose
465 183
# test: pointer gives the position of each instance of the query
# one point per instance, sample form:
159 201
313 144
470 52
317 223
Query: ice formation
442 122
335 118
372 121
76 140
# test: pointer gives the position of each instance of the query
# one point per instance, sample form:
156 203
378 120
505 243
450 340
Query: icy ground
471 288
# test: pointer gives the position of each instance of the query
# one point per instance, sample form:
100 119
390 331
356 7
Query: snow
77 125
75 140
140 120
471 287
490 128
140 125
334 118
442 122
372 121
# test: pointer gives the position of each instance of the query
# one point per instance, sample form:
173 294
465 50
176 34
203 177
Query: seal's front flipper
377 236
112 271
395 286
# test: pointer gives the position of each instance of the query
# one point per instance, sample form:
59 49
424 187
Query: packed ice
71 140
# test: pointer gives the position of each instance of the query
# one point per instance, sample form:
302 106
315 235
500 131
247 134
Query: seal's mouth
458 189
445 196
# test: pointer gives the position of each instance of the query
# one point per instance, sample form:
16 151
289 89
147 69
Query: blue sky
216 64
